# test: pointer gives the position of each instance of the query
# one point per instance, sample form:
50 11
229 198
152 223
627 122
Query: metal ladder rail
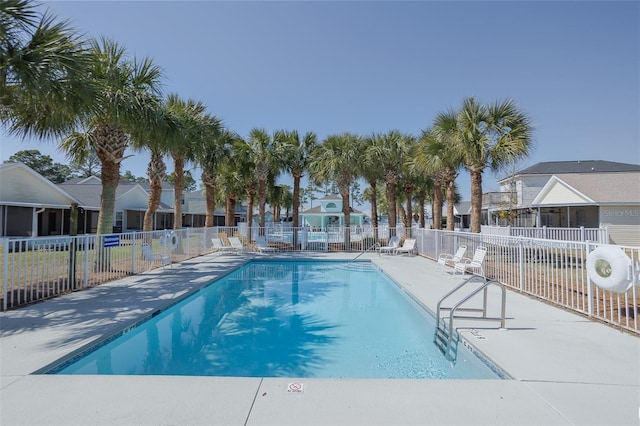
452 310
364 251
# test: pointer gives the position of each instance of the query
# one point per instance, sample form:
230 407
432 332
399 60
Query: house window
580 217
118 219
331 205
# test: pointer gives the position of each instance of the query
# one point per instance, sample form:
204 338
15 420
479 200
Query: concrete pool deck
565 369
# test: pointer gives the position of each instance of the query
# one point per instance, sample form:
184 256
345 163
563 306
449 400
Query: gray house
571 194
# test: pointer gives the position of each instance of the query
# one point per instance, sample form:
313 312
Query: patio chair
236 244
408 247
392 244
477 263
218 246
446 259
150 256
261 245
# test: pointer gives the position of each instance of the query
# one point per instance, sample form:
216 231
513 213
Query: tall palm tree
390 149
295 154
44 71
489 136
192 122
128 100
371 171
336 159
409 180
435 156
265 160
209 155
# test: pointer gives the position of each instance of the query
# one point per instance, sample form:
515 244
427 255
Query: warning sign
295 388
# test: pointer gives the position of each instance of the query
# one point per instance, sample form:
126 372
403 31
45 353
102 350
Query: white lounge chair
409 246
477 263
150 256
218 246
261 245
392 244
236 244
446 259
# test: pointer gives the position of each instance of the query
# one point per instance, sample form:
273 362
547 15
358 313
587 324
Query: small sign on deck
295 388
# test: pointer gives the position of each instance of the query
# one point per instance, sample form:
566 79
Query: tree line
100 101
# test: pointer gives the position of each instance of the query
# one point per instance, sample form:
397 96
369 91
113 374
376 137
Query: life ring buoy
171 240
610 269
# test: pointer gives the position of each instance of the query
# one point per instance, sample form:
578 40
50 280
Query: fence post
437 243
86 260
589 283
5 272
521 263
133 252
582 238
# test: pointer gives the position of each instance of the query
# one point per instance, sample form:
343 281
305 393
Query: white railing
553 270
599 235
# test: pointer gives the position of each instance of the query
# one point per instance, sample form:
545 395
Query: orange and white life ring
610 269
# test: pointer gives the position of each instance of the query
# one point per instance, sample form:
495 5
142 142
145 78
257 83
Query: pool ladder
444 337
375 245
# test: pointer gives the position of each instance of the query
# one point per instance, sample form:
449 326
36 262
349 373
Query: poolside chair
150 256
261 245
236 244
477 263
446 259
218 246
409 246
394 243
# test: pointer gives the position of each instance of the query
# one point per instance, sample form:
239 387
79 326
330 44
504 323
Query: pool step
447 345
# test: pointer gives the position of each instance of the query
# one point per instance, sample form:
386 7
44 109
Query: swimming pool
287 319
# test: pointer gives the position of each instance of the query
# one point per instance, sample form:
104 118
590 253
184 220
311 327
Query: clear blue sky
329 67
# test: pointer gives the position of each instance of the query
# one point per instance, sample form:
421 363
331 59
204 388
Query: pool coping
553 386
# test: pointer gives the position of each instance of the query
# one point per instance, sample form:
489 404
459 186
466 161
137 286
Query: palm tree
264 158
409 180
371 171
128 101
489 136
295 154
435 156
44 71
192 123
390 150
336 159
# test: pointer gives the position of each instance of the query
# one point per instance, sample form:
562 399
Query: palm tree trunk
390 191
450 204
250 198
110 178
209 183
230 211
343 187
296 202
421 212
476 200
155 171
437 205
374 208
178 188
408 191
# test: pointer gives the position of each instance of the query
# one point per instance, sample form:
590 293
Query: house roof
593 189
580 166
38 190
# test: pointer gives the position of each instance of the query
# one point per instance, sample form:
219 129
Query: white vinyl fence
552 270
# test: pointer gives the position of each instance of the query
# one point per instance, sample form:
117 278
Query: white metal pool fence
599 235
552 270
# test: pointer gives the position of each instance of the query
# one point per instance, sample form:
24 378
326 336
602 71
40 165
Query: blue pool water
287 319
